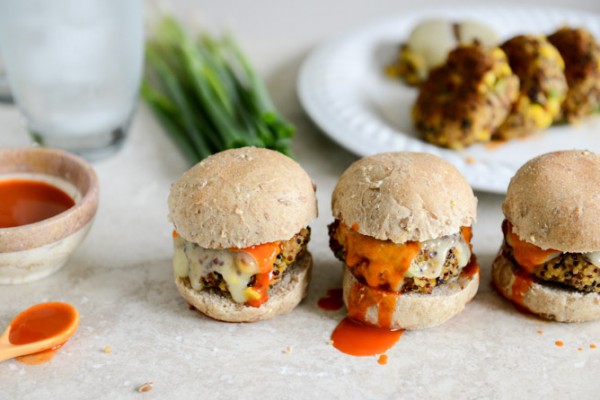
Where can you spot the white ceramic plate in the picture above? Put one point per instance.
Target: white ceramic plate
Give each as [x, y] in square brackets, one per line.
[343, 88]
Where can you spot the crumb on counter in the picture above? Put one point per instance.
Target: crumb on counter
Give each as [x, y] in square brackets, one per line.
[329, 342]
[107, 349]
[470, 160]
[287, 350]
[146, 387]
[540, 332]
[592, 346]
[559, 343]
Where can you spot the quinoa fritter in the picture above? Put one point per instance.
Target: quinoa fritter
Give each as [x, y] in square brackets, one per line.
[568, 269]
[467, 98]
[410, 66]
[450, 270]
[290, 251]
[581, 54]
[411, 284]
[543, 86]
[429, 43]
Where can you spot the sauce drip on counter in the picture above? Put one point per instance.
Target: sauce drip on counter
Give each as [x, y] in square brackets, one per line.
[382, 360]
[356, 339]
[27, 201]
[41, 357]
[333, 301]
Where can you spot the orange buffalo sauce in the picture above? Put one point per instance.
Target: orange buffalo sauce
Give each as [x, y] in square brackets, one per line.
[471, 269]
[526, 254]
[265, 255]
[520, 286]
[333, 301]
[383, 359]
[355, 339]
[361, 298]
[41, 322]
[386, 262]
[41, 357]
[24, 202]
[467, 233]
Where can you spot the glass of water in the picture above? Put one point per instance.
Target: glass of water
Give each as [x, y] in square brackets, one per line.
[74, 69]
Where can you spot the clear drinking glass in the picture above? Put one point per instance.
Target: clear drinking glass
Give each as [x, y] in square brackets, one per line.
[5, 95]
[74, 69]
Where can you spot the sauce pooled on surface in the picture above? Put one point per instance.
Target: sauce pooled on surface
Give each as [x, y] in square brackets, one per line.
[356, 339]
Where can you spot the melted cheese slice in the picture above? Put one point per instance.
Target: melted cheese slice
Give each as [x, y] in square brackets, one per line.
[438, 250]
[236, 267]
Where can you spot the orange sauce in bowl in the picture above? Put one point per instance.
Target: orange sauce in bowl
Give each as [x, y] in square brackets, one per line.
[24, 202]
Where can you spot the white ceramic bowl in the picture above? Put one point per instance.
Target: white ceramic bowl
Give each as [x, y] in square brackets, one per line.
[34, 251]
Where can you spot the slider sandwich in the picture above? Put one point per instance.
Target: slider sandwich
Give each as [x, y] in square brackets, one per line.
[403, 230]
[241, 229]
[549, 261]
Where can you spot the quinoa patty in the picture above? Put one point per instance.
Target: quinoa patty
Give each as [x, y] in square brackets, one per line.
[581, 54]
[290, 251]
[467, 98]
[450, 269]
[543, 86]
[568, 269]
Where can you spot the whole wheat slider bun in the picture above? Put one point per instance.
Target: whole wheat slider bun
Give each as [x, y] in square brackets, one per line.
[404, 196]
[550, 302]
[283, 298]
[242, 197]
[417, 310]
[553, 201]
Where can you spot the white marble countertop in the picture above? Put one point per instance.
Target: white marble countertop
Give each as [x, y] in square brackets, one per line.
[120, 278]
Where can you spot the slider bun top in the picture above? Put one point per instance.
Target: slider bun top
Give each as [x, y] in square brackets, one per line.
[242, 197]
[553, 201]
[404, 196]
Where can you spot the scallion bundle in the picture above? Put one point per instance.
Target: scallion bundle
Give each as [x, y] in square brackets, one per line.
[207, 96]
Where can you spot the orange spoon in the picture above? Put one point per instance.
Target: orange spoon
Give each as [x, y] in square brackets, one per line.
[41, 327]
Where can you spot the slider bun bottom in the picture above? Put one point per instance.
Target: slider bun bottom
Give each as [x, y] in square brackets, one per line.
[417, 310]
[283, 298]
[547, 301]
